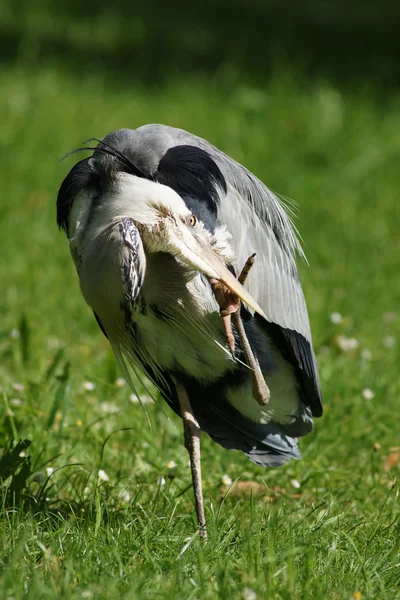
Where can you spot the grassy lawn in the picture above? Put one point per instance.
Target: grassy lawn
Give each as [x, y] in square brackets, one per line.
[323, 527]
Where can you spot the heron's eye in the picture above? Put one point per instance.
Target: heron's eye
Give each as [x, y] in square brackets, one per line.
[191, 220]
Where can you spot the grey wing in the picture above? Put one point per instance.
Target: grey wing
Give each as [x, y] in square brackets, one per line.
[258, 223]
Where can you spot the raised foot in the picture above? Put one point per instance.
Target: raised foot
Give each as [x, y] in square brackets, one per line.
[229, 304]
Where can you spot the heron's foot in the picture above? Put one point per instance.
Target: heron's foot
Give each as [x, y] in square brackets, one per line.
[229, 304]
[227, 300]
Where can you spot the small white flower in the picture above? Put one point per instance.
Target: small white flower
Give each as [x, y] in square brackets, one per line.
[347, 344]
[390, 317]
[296, 484]
[109, 408]
[87, 594]
[352, 343]
[249, 594]
[49, 471]
[18, 387]
[143, 399]
[125, 496]
[171, 464]
[146, 399]
[368, 394]
[86, 491]
[226, 480]
[366, 354]
[22, 454]
[54, 343]
[15, 334]
[389, 341]
[120, 382]
[336, 318]
[161, 481]
[15, 402]
[88, 386]
[102, 475]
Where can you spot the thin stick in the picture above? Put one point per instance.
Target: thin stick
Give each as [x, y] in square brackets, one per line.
[192, 444]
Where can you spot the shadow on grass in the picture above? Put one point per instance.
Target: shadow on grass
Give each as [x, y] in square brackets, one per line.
[150, 42]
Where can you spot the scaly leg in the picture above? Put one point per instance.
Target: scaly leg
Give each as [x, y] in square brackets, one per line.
[260, 389]
[230, 309]
[192, 444]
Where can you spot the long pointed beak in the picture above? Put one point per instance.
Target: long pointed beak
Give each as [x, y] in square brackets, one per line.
[200, 256]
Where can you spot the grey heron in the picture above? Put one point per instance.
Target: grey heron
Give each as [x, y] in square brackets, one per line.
[160, 224]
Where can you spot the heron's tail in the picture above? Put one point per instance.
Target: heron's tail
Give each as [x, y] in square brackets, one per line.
[273, 451]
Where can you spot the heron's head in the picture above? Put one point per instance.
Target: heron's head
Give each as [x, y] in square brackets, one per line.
[103, 190]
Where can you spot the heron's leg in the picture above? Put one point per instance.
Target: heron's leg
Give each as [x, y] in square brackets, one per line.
[192, 443]
[230, 309]
[261, 391]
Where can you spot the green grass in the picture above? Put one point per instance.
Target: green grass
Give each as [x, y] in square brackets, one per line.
[71, 535]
